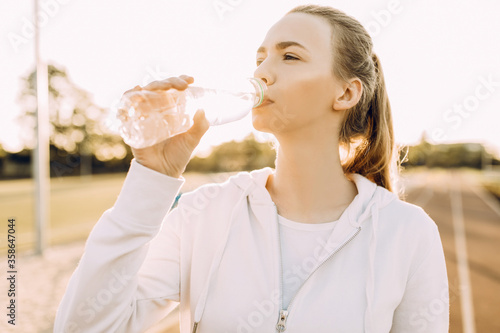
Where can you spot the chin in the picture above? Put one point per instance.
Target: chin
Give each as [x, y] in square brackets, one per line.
[260, 121]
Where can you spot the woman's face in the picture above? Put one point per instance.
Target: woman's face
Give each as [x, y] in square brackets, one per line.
[295, 60]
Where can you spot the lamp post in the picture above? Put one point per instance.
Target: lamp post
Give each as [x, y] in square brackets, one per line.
[41, 158]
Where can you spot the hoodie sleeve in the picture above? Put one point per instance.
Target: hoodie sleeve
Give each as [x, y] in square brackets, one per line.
[128, 276]
[425, 303]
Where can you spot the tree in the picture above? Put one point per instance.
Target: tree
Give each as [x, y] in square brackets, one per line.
[3, 154]
[77, 125]
[247, 155]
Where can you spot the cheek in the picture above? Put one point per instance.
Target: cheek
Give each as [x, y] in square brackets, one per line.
[310, 96]
[300, 101]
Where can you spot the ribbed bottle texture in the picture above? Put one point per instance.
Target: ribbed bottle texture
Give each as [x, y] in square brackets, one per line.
[148, 117]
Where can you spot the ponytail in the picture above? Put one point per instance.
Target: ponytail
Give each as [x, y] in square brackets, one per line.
[372, 154]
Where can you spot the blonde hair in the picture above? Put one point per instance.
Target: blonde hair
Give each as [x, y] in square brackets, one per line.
[366, 132]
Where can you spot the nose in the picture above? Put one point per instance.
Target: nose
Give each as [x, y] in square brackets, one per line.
[265, 80]
[264, 75]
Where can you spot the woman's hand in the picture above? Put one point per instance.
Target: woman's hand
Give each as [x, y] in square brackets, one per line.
[172, 155]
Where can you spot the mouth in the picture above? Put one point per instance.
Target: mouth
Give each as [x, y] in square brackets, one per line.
[264, 103]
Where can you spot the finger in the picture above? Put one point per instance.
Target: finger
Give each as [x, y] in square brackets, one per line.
[171, 82]
[159, 85]
[200, 125]
[187, 78]
[133, 89]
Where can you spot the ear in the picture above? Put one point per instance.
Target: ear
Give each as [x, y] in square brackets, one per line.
[349, 95]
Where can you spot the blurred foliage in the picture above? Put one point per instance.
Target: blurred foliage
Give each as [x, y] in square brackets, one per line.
[471, 155]
[245, 155]
[62, 163]
[80, 142]
[248, 154]
[77, 125]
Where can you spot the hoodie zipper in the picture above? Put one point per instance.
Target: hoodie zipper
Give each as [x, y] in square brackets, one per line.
[283, 315]
[281, 325]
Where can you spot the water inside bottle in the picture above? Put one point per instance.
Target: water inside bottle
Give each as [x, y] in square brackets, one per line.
[221, 106]
[148, 117]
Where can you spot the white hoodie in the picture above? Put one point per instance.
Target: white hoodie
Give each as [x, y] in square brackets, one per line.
[217, 253]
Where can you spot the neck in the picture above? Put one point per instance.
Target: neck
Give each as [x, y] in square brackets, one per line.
[309, 185]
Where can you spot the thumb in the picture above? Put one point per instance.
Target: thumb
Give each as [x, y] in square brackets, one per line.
[200, 125]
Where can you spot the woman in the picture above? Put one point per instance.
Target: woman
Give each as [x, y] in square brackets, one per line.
[320, 244]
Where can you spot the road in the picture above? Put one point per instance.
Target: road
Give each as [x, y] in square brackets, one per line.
[438, 193]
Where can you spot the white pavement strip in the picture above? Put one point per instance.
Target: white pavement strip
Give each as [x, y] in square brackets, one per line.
[463, 266]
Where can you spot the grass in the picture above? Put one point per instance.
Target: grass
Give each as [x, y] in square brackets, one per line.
[76, 204]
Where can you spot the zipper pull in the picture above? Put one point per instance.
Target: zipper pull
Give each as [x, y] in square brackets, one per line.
[281, 325]
[195, 327]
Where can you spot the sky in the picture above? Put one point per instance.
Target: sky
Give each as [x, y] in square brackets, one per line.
[440, 58]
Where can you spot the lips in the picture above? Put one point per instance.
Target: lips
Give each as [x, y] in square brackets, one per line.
[265, 102]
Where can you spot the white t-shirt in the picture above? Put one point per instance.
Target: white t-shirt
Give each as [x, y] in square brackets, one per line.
[301, 246]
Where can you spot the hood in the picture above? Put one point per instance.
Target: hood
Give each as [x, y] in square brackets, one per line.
[253, 184]
[365, 206]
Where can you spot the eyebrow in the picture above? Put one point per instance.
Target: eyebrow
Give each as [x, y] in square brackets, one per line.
[282, 46]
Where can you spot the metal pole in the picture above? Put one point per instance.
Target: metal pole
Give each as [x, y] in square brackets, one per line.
[41, 158]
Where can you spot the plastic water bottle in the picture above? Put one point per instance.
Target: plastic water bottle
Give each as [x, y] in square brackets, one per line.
[148, 117]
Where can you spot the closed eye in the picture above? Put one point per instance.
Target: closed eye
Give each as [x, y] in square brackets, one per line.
[285, 57]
